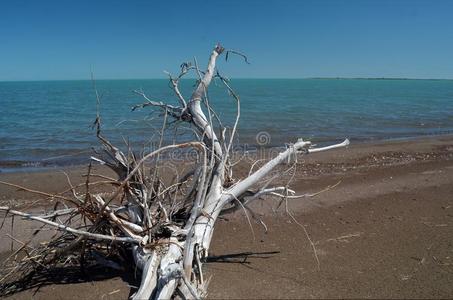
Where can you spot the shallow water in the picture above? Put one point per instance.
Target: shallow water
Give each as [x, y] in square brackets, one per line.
[49, 123]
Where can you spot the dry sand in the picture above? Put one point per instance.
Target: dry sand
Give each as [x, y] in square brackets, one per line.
[384, 232]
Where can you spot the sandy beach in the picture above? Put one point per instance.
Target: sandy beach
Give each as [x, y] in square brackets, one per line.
[383, 231]
[242, 150]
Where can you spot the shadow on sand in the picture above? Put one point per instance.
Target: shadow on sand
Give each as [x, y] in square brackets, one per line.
[75, 274]
[241, 257]
[68, 275]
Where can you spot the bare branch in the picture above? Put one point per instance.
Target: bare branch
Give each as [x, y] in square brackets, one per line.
[69, 229]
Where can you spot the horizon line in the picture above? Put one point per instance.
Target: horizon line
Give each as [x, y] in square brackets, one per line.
[254, 78]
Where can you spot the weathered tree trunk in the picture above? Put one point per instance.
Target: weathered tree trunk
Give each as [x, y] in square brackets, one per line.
[178, 263]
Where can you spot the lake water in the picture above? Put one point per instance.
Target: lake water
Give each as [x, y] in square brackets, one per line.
[48, 123]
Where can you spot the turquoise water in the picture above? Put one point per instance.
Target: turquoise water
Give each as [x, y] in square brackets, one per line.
[48, 123]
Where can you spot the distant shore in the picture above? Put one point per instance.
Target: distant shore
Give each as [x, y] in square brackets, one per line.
[234, 78]
[383, 231]
[377, 78]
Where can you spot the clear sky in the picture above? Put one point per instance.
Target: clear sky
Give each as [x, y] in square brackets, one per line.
[42, 40]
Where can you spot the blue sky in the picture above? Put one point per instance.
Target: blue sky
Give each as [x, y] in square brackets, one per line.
[41, 40]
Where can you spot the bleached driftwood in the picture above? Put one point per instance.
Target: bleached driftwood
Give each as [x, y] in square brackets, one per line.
[168, 228]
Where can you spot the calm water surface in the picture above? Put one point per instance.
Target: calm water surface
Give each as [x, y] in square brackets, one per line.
[49, 123]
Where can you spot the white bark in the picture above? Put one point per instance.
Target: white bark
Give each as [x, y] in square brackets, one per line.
[194, 105]
[170, 268]
[149, 276]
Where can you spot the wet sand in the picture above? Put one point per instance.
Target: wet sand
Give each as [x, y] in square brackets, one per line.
[385, 231]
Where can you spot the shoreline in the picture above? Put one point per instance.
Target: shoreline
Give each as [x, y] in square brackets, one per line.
[312, 171]
[383, 232]
[17, 166]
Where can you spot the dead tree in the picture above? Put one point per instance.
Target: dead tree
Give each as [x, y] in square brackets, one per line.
[166, 226]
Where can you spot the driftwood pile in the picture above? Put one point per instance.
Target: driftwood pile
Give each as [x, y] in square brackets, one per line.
[164, 226]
